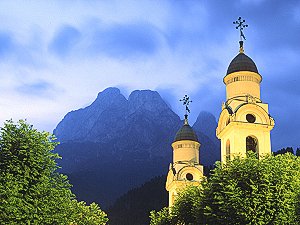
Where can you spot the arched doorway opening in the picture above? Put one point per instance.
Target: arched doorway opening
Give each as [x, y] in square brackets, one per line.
[251, 144]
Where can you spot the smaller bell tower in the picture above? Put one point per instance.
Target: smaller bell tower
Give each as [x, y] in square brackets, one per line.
[185, 169]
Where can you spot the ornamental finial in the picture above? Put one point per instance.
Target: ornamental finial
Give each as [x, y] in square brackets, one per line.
[240, 25]
[186, 102]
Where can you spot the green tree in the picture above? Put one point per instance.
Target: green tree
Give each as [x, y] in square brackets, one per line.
[186, 210]
[298, 152]
[31, 189]
[161, 217]
[87, 215]
[244, 191]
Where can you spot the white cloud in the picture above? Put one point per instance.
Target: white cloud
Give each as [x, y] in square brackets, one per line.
[190, 53]
[77, 79]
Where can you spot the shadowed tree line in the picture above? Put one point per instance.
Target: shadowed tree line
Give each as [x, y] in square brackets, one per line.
[134, 207]
[288, 149]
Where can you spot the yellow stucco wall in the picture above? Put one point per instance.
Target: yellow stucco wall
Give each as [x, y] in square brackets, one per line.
[186, 150]
[236, 133]
[185, 161]
[176, 183]
[242, 83]
[242, 99]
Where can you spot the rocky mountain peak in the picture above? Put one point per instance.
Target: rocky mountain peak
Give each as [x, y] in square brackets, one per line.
[206, 123]
[109, 96]
[111, 116]
[147, 100]
[109, 92]
[84, 124]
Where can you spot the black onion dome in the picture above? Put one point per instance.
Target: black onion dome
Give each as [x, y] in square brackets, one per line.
[242, 62]
[186, 133]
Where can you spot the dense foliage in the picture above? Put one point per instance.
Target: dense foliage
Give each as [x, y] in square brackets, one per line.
[243, 191]
[87, 215]
[31, 189]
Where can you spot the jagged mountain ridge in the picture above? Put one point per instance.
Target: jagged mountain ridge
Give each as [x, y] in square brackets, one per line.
[116, 144]
[111, 115]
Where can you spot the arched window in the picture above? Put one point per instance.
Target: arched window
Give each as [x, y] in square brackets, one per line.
[228, 149]
[251, 144]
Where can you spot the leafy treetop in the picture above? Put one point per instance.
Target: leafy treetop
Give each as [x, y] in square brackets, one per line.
[31, 189]
[242, 191]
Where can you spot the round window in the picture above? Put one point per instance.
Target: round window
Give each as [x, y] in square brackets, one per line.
[189, 176]
[250, 118]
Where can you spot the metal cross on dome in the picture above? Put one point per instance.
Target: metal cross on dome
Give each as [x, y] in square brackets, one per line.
[186, 101]
[240, 25]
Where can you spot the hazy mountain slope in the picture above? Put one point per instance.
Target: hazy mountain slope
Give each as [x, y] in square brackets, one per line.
[205, 127]
[94, 123]
[116, 144]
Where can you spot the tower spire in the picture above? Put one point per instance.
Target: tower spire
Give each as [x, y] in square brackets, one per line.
[240, 25]
[186, 102]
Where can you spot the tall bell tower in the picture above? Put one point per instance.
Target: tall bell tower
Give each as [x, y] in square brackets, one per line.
[185, 169]
[244, 123]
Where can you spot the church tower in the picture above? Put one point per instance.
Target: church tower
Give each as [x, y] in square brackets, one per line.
[244, 123]
[185, 169]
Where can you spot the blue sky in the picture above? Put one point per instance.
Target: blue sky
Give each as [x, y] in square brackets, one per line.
[55, 56]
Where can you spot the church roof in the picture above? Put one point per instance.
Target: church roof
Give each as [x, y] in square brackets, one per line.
[242, 62]
[186, 133]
